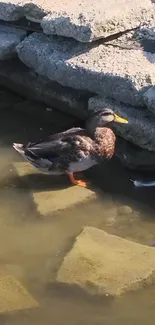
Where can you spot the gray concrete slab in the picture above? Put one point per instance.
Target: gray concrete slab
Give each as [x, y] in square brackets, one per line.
[9, 39]
[88, 20]
[83, 20]
[141, 127]
[107, 70]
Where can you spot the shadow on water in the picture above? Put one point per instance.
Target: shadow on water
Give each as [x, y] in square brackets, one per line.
[111, 177]
[37, 246]
[116, 180]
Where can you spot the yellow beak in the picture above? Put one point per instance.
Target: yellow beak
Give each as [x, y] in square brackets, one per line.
[119, 119]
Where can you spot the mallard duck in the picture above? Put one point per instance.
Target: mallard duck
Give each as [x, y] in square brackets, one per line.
[76, 149]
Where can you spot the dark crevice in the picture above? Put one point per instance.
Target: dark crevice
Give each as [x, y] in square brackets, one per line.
[31, 27]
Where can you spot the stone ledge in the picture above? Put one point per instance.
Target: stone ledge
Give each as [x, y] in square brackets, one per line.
[86, 21]
[82, 20]
[16, 76]
[106, 70]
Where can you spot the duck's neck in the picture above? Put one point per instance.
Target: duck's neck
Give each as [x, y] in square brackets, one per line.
[92, 124]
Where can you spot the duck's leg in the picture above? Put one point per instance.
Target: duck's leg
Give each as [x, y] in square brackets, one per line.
[76, 182]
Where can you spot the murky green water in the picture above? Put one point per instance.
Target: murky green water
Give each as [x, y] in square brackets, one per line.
[32, 248]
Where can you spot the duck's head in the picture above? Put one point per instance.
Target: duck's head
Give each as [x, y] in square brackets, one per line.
[102, 117]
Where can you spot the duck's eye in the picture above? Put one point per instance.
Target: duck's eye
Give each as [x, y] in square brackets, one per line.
[107, 114]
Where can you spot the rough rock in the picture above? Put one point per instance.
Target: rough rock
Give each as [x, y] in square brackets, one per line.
[16, 76]
[141, 38]
[8, 98]
[9, 39]
[134, 157]
[13, 296]
[146, 33]
[105, 264]
[11, 10]
[47, 114]
[124, 209]
[86, 22]
[149, 98]
[105, 70]
[81, 20]
[140, 129]
[146, 37]
[54, 198]
[48, 202]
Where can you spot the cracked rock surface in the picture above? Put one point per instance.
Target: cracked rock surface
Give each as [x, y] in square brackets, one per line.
[9, 39]
[83, 20]
[105, 69]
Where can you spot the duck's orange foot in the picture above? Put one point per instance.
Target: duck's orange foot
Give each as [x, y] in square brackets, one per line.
[81, 183]
[77, 182]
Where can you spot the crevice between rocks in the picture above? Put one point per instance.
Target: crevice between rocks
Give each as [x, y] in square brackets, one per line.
[31, 27]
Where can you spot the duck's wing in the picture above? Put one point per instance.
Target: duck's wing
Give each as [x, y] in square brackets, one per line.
[56, 136]
[69, 150]
[65, 145]
[72, 131]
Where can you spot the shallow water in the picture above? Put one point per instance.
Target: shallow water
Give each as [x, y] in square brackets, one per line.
[33, 248]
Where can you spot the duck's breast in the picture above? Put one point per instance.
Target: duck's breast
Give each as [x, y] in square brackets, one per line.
[83, 163]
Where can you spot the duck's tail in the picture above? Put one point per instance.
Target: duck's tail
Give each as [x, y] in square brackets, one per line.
[27, 154]
[19, 147]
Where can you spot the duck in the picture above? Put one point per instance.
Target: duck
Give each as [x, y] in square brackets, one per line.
[76, 149]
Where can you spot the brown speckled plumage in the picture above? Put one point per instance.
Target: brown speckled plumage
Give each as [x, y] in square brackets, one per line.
[104, 143]
[75, 149]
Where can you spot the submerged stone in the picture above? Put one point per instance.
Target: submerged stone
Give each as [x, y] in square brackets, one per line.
[48, 193]
[125, 209]
[104, 264]
[48, 202]
[13, 296]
